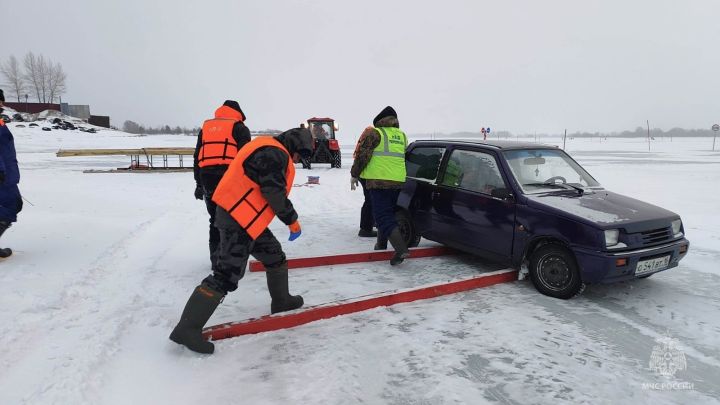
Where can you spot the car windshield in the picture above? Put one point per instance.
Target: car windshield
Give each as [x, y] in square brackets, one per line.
[546, 170]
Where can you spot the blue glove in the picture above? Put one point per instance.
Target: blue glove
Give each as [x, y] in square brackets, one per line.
[295, 231]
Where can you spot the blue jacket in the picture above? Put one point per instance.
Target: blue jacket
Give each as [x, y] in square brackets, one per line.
[8, 157]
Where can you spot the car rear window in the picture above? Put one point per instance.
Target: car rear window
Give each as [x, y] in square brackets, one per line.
[424, 162]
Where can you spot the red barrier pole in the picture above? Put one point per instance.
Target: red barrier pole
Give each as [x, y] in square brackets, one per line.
[376, 256]
[310, 314]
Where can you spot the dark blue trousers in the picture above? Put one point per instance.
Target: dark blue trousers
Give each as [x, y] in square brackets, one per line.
[383, 206]
[10, 202]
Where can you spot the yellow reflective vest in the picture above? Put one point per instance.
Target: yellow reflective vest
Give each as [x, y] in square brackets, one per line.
[388, 158]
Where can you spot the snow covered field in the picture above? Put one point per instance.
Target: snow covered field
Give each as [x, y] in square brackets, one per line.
[104, 264]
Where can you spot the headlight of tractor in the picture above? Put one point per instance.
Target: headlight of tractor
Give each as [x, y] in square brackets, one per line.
[676, 225]
[611, 237]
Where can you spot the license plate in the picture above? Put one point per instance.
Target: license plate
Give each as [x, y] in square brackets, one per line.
[647, 266]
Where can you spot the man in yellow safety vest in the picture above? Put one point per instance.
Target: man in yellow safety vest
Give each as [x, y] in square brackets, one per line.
[380, 161]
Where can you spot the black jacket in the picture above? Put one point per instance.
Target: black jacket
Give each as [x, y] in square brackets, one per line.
[211, 175]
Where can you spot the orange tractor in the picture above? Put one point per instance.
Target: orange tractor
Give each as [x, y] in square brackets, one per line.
[327, 148]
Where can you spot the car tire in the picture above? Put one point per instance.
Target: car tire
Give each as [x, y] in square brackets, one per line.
[336, 160]
[407, 228]
[554, 272]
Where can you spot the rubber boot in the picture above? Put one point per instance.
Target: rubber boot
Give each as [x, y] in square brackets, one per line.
[277, 281]
[6, 252]
[201, 305]
[398, 242]
[364, 233]
[380, 242]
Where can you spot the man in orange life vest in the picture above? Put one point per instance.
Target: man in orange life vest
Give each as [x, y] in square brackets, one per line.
[218, 142]
[252, 192]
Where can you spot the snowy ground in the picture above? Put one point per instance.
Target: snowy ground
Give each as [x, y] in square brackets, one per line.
[104, 263]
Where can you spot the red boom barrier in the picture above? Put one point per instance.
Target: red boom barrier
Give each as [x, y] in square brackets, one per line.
[302, 316]
[355, 258]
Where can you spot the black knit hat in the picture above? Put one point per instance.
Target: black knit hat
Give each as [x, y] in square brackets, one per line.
[235, 106]
[386, 112]
[2, 96]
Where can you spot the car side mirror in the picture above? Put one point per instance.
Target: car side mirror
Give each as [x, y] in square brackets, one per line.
[501, 193]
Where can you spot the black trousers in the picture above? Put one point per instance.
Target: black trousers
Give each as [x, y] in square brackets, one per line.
[234, 250]
[209, 180]
[214, 238]
[366, 212]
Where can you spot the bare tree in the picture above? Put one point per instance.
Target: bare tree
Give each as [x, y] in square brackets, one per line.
[33, 75]
[56, 81]
[44, 73]
[13, 76]
[131, 127]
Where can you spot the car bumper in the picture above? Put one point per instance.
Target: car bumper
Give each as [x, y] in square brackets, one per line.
[602, 267]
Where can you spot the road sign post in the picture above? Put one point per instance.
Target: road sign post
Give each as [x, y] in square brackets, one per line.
[715, 129]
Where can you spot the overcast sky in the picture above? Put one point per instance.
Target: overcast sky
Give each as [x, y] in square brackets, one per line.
[517, 65]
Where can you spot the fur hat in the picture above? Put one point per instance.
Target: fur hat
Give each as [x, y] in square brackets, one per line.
[386, 112]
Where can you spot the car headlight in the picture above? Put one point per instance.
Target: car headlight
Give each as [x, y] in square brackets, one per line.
[611, 237]
[676, 226]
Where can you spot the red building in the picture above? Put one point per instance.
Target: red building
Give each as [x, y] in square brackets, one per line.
[32, 108]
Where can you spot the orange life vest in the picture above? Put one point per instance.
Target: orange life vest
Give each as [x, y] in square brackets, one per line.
[218, 145]
[241, 197]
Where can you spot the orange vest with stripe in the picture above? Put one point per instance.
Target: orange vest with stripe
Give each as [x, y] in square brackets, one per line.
[218, 145]
[241, 197]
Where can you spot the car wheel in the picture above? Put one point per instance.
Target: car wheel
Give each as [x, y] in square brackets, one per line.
[407, 228]
[555, 273]
[336, 160]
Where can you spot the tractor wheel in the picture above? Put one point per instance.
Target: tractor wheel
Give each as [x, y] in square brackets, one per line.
[336, 160]
[407, 228]
[554, 272]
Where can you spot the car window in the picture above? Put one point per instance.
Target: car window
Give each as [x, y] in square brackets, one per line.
[424, 162]
[473, 171]
[543, 170]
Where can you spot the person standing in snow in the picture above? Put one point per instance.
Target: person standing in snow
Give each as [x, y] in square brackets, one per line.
[366, 213]
[253, 191]
[380, 161]
[10, 199]
[217, 144]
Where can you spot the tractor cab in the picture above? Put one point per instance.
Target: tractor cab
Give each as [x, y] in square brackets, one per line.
[327, 148]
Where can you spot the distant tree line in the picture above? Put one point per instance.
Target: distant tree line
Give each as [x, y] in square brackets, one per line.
[639, 132]
[133, 127]
[44, 80]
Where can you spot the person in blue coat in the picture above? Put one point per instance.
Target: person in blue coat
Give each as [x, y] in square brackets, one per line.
[10, 199]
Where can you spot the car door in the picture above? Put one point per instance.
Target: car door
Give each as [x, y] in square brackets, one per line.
[466, 211]
[422, 164]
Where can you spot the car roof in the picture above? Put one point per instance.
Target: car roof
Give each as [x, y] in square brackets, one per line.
[502, 145]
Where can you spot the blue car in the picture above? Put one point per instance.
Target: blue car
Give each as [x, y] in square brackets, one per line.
[534, 208]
